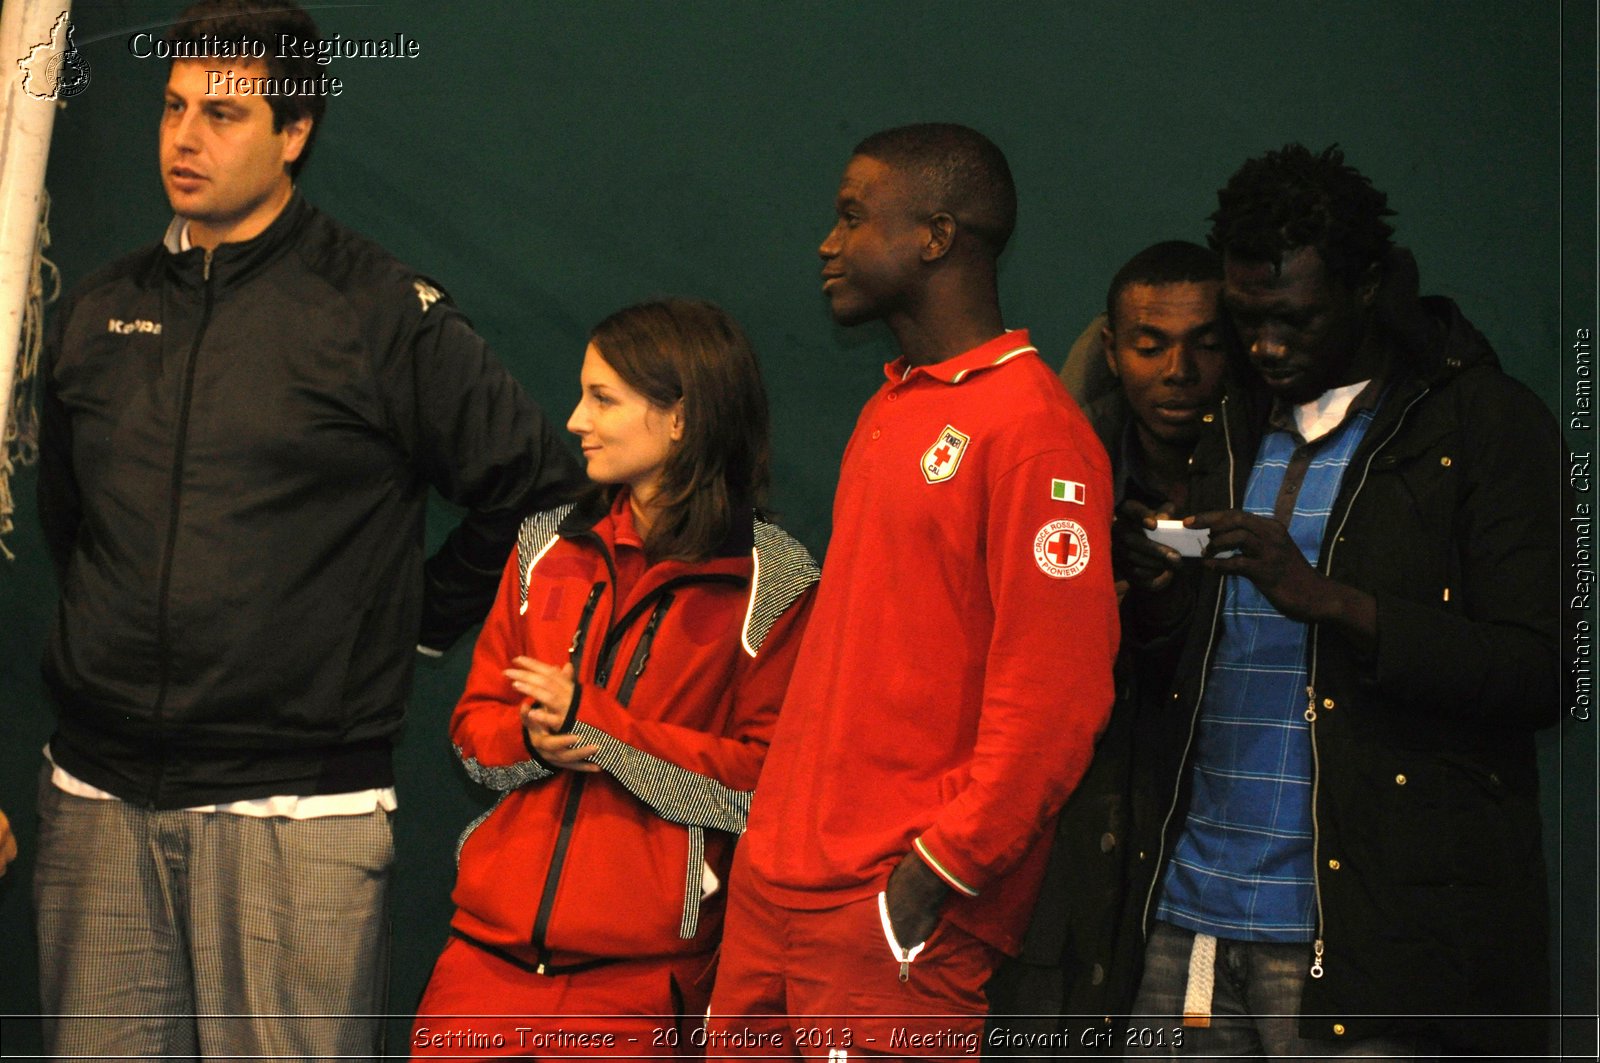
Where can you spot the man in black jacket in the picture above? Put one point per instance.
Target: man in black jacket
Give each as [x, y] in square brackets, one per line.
[1163, 354]
[1351, 860]
[240, 427]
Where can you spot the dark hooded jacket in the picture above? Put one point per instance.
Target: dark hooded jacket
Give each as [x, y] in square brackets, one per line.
[1431, 882]
[1083, 954]
[1430, 879]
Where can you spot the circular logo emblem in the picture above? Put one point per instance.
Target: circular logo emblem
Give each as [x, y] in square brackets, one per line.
[1061, 549]
[67, 74]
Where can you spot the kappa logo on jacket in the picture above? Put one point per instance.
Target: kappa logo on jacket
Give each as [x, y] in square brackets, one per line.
[940, 461]
[128, 328]
[427, 294]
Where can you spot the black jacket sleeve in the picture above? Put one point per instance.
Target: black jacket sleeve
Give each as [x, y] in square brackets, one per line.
[477, 438]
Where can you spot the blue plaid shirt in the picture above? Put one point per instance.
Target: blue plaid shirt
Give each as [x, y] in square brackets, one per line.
[1241, 868]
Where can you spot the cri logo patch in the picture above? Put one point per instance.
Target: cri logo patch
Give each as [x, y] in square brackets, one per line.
[1061, 549]
[940, 461]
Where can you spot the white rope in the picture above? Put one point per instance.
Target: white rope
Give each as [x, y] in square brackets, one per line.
[1202, 979]
[21, 444]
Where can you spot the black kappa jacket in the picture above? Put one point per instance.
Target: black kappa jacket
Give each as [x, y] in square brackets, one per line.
[236, 453]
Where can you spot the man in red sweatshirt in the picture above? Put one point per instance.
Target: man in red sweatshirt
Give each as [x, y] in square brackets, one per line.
[958, 663]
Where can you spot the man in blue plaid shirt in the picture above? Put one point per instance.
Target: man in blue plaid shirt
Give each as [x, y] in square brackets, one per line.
[1351, 861]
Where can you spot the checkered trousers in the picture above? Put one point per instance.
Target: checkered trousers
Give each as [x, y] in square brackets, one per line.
[188, 934]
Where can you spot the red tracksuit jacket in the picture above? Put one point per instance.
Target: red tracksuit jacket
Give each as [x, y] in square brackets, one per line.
[679, 682]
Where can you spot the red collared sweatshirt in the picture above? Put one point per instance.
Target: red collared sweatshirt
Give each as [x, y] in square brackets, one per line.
[956, 669]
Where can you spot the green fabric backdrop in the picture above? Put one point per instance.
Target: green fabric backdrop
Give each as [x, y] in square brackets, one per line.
[549, 162]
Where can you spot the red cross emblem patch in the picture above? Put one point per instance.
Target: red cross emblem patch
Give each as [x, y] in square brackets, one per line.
[1061, 549]
[940, 461]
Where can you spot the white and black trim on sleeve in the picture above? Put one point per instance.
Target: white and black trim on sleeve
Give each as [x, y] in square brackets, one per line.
[504, 778]
[676, 794]
[461, 842]
[536, 536]
[784, 570]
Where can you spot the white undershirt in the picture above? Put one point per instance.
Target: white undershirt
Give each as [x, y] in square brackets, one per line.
[1323, 414]
[289, 806]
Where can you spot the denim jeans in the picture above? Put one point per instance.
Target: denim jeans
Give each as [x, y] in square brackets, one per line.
[1255, 1004]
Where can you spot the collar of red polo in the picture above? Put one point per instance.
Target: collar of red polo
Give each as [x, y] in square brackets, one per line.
[998, 351]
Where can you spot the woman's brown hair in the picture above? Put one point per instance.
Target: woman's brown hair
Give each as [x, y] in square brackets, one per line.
[694, 351]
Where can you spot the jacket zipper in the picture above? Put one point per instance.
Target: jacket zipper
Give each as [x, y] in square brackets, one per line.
[581, 632]
[569, 811]
[641, 652]
[164, 584]
[547, 901]
[1194, 717]
[608, 651]
[1318, 946]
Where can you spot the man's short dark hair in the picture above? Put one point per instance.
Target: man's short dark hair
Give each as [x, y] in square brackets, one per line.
[266, 23]
[1169, 262]
[958, 170]
[1291, 199]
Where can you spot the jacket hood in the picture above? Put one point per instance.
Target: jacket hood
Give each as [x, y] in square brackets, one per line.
[1429, 335]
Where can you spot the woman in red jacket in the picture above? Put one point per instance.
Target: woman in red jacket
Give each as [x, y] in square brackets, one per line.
[620, 701]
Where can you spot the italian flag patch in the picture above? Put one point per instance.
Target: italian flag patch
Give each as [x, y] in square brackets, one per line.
[1066, 491]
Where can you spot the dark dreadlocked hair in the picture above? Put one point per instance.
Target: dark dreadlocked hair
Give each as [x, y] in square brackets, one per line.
[1291, 199]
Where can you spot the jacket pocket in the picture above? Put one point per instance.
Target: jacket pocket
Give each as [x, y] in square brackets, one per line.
[624, 882]
[905, 957]
[1400, 537]
[1443, 820]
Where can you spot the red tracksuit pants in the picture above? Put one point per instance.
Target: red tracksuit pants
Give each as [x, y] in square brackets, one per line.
[479, 1006]
[825, 984]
